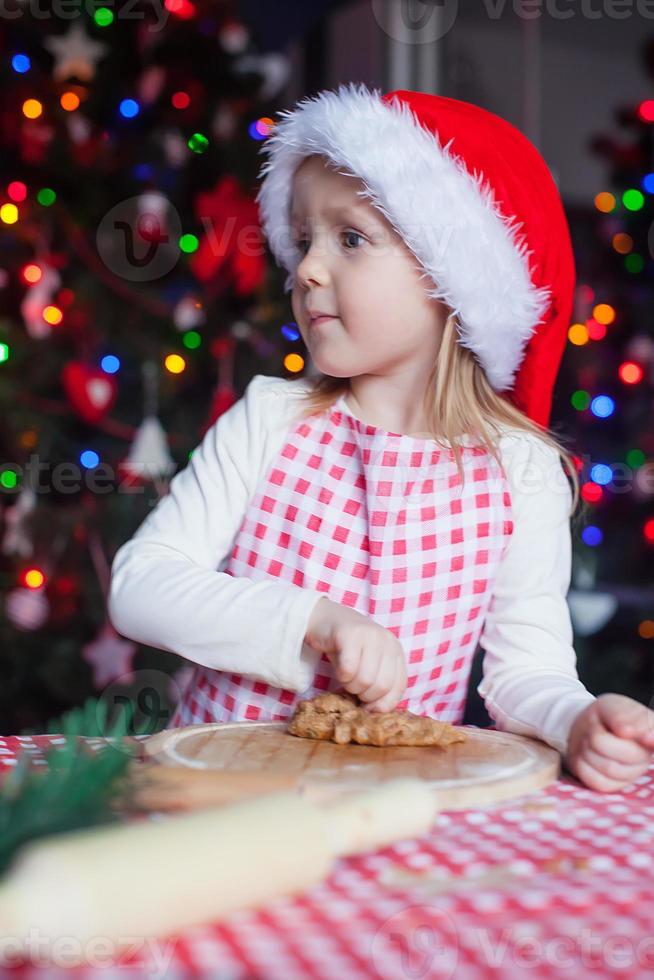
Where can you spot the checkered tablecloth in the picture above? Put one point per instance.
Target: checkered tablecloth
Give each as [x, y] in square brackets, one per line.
[556, 883]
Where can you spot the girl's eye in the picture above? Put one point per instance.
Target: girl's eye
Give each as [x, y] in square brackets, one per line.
[301, 242]
[353, 233]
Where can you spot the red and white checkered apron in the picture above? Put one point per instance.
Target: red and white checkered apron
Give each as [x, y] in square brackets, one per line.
[377, 521]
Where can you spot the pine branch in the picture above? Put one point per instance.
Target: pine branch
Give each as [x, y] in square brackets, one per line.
[76, 790]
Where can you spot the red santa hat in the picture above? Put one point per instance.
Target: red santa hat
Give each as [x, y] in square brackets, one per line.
[471, 197]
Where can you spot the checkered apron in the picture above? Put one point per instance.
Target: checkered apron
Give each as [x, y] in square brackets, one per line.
[380, 522]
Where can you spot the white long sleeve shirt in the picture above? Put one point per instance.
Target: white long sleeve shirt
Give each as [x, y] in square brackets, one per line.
[168, 589]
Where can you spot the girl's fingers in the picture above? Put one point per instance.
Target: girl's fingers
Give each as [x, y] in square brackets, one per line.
[625, 717]
[389, 699]
[596, 780]
[383, 683]
[348, 665]
[612, 769]
[623, 750]
[367, 672]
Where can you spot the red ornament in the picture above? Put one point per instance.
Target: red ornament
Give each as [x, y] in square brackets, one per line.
[89, 390]
[234, 246]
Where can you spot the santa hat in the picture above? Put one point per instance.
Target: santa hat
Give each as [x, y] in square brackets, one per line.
[470, 196]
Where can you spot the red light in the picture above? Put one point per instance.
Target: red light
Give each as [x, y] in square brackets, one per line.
[180, 8]
[646, 110]
[596, 331]
[17, 191]
[586, 293]
[591, 492]
[181, 100]
[33, 578]
[630, 372]
[31, 274]
[649, 530]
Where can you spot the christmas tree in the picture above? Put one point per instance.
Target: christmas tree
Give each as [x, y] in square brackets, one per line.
[605, 397]
[138, 301]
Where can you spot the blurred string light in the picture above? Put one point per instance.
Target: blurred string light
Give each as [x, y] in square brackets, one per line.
[630, 373]
[634, 263]
[4, 353]
[9, 214]
[602, 406]
[52, 315]
[181, 100]
[183, 9]
[46, 197]
[580, 400]
[192, 339]
[596, 331]
[34, 578]
[103, 17]
[32, 108]
[290, 331]
[189, 243]
[646, 629]
[89, 459]
[129, 108]
[198, 143]
[622, 243]
[592, 536]
[605, 202]
[635, 458]
[70, 101]
[261, 128]
[294, 363]
[604, 313]
[633, 199]
[648, 183]
[646, 110]
[21, 63]
[648, 530]
[578, 334]
[110, 364]
[591, 492]
[175, 363]
[8, 479]
[601, 473]
[17, 191]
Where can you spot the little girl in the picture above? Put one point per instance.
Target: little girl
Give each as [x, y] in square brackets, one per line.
[368, 526]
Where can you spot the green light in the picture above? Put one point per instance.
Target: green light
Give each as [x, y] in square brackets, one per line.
[634, 262]
[635, 458]
[8, 479]
[580, 400]
[103, 17]
[189, 243]
[198, 143]
[633, 200]
[4, 353]
[191, 453]
[192, 340]
[46, 196]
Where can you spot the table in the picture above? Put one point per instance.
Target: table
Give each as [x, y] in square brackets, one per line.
[556, 883]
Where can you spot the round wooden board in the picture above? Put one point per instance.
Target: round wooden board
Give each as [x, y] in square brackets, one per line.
[487, 768]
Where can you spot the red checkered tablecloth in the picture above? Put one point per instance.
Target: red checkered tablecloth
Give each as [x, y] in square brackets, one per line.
[556, 883]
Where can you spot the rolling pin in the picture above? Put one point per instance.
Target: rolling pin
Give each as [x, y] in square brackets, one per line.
[152, 879]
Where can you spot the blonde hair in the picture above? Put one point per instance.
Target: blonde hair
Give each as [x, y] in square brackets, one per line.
[460, 401]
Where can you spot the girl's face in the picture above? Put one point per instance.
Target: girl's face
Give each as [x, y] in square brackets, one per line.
[357, 268]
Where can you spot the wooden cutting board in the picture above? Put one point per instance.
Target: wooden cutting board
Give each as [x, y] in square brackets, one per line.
[487, 768]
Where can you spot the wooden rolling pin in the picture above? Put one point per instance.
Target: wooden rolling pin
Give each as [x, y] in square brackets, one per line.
[152, 879]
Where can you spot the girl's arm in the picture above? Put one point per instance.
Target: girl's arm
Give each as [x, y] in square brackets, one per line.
[166, 590]
[530, 683]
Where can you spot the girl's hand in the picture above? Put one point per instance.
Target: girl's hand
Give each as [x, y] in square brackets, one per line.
[368, 659]
[611, 743]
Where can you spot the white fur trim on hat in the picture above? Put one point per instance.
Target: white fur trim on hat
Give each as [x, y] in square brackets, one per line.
[446, 216]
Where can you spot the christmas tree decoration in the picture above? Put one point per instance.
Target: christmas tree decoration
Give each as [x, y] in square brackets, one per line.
[188, 313]
[90, 391]
[27, 609]
[17, 539]
[75, 53]
[37, 299]
[149, 457]
[110, 655]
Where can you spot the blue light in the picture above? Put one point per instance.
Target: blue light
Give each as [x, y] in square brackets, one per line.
[648, 183]
[21, 63]
[602, 406]
[129, 108]
[89, 459]
[143, 171]
[592, 536]
[290, 331]
[601, 473]
[110, 363]
[255, 132]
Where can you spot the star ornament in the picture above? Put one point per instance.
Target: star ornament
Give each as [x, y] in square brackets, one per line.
[75, 53]
[110, 656]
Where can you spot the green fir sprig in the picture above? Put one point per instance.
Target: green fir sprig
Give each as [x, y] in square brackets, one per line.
[76, 790]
